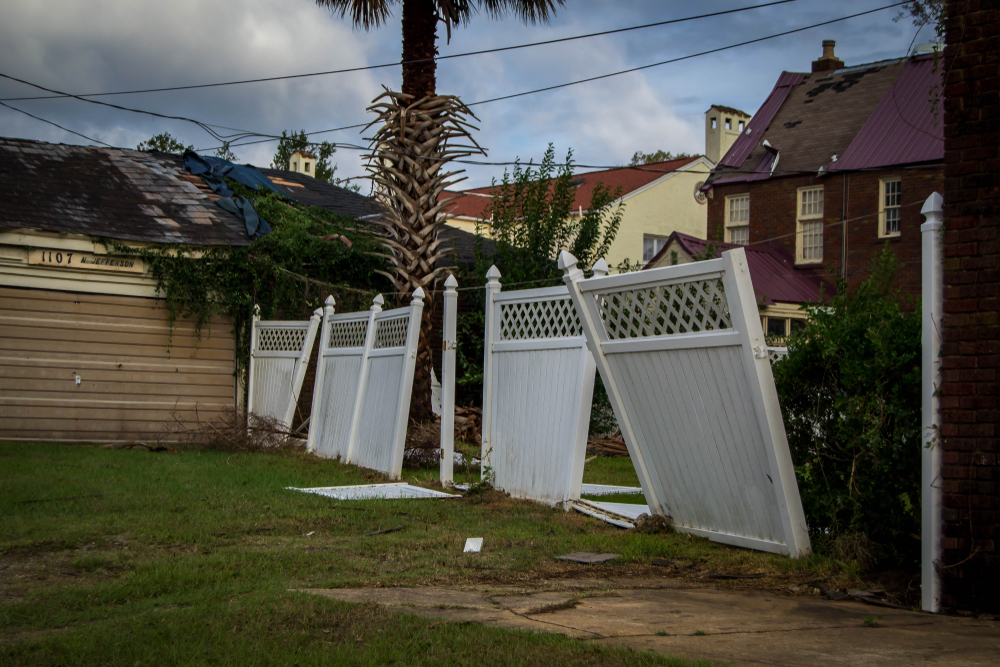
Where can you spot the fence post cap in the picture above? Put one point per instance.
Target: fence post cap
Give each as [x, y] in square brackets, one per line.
[378, 300]
[566, 261]
[330, 301]
[451, 283]
[418, 294]
[600, 268]
[256, 311]
[318, 314]
[934, 204]
[493, 274]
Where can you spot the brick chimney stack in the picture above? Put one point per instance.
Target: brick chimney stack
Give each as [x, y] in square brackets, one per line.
[827, 62]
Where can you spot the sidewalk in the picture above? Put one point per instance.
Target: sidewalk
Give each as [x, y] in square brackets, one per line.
[740, 628]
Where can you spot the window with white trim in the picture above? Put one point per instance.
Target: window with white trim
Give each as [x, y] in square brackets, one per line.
[652, 245]
[890, 206]
[738, 219]
[809, 225]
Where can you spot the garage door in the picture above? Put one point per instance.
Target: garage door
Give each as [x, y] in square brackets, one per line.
[91, 367]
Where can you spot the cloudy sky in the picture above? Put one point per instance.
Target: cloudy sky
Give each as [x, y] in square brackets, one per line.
[89, 46]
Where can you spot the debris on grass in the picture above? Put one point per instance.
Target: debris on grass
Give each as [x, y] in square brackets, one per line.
[383, 531]
[391, 491]
[653, 524]
[588, 557]
[473, 545]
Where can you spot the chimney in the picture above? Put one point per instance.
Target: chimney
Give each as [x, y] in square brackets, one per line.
[827, 62]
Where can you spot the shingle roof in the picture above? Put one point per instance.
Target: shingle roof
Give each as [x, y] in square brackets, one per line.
[474, 203]
[110, 192]
[312, 192]
[864, 113]
[772, 269]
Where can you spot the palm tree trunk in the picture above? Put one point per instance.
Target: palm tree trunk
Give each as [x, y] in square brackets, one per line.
[419, 43]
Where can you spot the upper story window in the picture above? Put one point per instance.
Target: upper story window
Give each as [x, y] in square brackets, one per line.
[305, 167]
[729, 123]
[890, 206]
[715, 123]
[809, 225]
[652, 245]
[742, 125]
[295, 166]
[738, 219]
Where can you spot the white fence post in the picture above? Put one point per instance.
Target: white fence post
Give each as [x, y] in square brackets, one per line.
[448, 371]
[932, 291]
[369, 341]
[324, 340]
[492, 289]
[253, 345]
[406, 385]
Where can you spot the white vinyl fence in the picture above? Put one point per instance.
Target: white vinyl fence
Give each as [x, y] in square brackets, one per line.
[364, 380]
[279, 355]
[537, 389]
[683, 358]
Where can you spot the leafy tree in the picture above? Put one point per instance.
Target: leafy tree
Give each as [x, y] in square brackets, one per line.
[225, 153]
[850, 395]
[640, 158]
[420, 19]
[164, 143]
[532, 220]
[927, 12]
[289, 143]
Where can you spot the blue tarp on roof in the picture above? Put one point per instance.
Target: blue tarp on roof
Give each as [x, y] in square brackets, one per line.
[215, 170]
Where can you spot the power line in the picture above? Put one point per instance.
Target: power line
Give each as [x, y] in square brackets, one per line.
[207, 127]
[406, 62]
[64, 129]
[605, 76]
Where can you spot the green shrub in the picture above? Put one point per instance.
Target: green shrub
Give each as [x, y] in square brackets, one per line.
[850, 394]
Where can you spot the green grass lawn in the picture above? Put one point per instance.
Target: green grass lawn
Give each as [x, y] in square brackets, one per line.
[134, 558]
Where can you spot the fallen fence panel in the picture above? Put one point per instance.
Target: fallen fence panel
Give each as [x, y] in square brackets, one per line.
[682, 355]
[537, 389]
[279, 355]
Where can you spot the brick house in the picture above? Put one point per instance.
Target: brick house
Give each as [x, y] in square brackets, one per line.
[970, 353]
[858, 144]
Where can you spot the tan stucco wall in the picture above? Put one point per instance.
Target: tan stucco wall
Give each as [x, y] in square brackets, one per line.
[666, 207]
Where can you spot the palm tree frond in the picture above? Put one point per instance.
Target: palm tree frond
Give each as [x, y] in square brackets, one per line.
[529, 11]
[367, 14]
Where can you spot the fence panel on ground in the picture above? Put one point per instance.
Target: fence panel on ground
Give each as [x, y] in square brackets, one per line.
[279, 355]
[682, 355]
[537, 390]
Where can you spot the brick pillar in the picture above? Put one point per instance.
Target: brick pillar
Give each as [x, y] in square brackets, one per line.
[971, 338]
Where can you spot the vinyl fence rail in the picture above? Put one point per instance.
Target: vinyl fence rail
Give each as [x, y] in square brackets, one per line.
[538, 384]
[683, 358]
[364, 380]
[279, 355]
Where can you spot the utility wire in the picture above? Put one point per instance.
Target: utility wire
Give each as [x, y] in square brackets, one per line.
[605, 76]
[64, 129]
[407, 62]
[207, 127]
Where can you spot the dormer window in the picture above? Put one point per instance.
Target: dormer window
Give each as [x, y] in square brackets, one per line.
[742, 123]
[715, 123]
[295, 166]
[729, 123]
[305, 167]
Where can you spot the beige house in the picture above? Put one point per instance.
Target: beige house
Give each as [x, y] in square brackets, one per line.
[660, 198]
[302, 162]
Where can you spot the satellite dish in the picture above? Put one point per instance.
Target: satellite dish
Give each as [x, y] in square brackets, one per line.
[699, 196]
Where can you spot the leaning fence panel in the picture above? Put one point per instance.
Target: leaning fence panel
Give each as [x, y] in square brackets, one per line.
[682, 354]
[386, 390]
[279, 355]
[344, 342]
[538, 386]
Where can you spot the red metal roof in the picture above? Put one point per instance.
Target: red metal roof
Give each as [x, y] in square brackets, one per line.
[902, 129]
[745, 143]
[772, 270]
[474, 205]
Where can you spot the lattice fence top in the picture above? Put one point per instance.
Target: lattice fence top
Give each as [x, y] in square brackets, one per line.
[553, 318]
[391, 332]
[665, 310]
[280, 339]
[348, 334]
